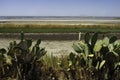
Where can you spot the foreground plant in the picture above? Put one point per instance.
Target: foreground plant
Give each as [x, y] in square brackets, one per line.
[94, 60]
[101, 58]
[21, 61]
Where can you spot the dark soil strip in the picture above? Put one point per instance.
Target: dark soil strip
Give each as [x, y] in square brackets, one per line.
[54, 36]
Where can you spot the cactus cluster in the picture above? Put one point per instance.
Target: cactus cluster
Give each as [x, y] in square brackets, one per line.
[94, 59]
[21, 60]
[102, 56]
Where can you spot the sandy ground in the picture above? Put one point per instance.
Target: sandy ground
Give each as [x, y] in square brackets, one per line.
[56, 48]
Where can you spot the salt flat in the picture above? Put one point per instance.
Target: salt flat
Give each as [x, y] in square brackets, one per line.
[71, 21]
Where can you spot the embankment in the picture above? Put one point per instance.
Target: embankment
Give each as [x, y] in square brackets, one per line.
[54, 36]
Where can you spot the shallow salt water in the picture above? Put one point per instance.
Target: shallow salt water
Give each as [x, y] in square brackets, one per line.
[52, 47]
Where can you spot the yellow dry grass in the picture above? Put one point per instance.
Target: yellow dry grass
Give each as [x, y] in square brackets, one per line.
[38, 25]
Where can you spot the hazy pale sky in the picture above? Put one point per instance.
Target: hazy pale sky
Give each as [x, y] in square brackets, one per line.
[59, 7]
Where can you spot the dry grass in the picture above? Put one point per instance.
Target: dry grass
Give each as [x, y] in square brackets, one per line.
[32, 25]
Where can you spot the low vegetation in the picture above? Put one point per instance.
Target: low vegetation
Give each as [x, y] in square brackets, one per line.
[94, 60]
[54, 28]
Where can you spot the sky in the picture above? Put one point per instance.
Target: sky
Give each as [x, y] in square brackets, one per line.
[60, 8]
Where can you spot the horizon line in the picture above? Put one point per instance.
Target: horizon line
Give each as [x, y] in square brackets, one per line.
[51, 16]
